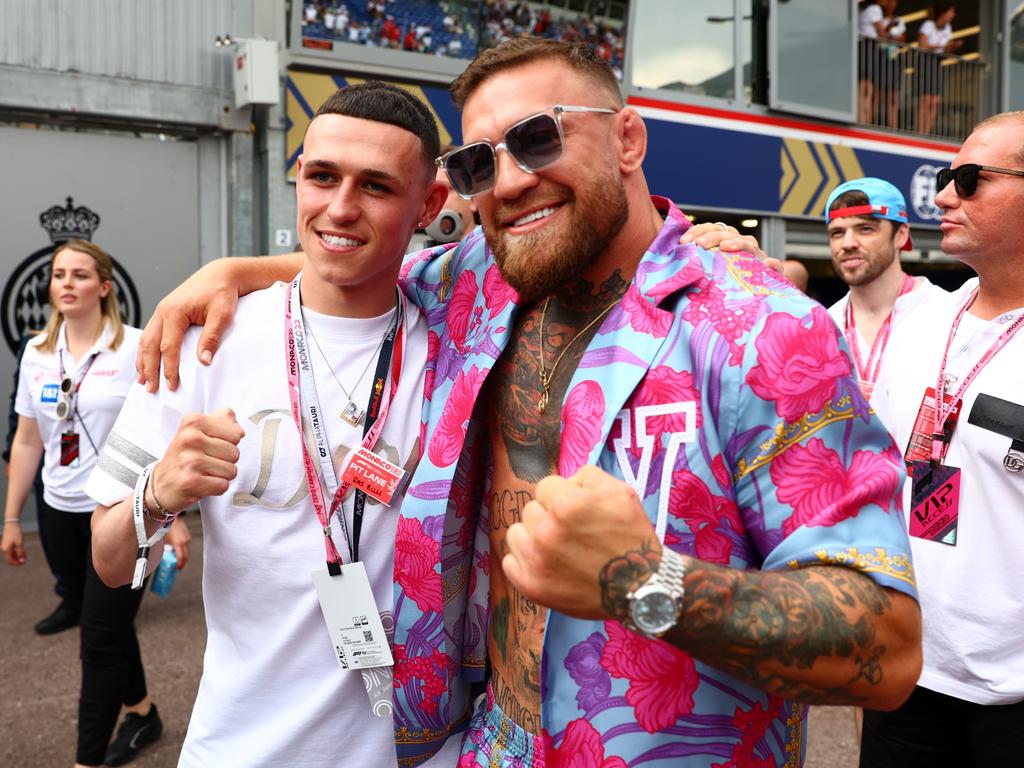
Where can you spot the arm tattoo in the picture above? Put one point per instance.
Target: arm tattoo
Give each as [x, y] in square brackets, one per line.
[768, 629]
[624, 574]
[761, 626]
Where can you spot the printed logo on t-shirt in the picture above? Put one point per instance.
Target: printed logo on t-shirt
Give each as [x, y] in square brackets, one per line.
[50, 393]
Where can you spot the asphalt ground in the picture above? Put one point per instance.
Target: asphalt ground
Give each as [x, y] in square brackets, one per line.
[41, 675]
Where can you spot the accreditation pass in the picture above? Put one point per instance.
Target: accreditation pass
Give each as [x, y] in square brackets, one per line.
[353, 621]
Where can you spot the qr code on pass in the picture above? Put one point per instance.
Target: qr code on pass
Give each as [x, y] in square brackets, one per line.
[367, 635]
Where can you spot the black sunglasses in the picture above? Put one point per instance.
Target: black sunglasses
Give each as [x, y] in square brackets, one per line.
[535, 142]
[965, 177]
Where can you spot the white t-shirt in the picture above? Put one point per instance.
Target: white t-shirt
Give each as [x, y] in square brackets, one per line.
[936, 37]
[924, 290]
[971, 593]
[271, 693]
[99, 399]
[867, 20]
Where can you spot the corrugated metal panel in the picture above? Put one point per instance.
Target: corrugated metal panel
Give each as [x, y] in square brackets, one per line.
[169, 41]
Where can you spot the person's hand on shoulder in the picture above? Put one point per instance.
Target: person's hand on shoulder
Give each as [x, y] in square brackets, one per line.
[718, 235]
[207, 298]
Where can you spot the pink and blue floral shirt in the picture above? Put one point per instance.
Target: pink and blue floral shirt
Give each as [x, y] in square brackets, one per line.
[725, 398]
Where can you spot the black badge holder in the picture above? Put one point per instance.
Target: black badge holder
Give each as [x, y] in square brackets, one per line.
[1004, 418]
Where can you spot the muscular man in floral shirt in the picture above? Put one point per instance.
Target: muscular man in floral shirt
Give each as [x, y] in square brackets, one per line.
[608, 410]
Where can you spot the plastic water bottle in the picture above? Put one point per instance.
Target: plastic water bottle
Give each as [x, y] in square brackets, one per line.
[166, 572]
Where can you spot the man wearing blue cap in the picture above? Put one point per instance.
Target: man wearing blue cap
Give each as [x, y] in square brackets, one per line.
[867, 228]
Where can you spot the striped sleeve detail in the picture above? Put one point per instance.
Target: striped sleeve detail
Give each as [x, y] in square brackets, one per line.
[123, 460]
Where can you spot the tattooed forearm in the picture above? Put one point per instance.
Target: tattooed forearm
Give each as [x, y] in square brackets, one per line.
[624, 574]
[818, 634]
[810, 634]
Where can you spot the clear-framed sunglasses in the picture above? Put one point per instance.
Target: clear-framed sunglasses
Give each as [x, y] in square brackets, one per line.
[535, 142]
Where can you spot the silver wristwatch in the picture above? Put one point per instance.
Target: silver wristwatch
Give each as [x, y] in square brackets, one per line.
[655, 606]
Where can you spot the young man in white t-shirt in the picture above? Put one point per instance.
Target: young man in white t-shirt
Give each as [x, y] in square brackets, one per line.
[965, 514]
[272, 692]
[867, 229]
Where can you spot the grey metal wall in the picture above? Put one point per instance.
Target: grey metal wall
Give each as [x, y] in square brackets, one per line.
[166, 41]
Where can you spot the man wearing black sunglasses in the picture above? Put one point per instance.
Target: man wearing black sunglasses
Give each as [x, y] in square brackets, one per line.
[964, 501]
[664, 520]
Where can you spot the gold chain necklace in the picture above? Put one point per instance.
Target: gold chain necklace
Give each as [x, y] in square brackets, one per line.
[545, 375]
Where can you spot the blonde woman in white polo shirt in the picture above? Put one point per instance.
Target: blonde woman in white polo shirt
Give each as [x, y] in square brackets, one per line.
[73, 379]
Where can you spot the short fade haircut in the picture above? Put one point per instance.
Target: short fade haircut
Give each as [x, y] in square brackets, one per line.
[855, 198]
[385, 103]
[520, 51]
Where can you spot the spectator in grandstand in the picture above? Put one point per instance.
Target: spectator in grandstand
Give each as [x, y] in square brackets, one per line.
[934, 38]
[879, 68]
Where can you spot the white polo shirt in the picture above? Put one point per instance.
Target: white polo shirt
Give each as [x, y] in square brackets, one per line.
[970, 593]
[99, 401]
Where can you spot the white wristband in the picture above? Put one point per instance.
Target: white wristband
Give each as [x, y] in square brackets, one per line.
[138, 511]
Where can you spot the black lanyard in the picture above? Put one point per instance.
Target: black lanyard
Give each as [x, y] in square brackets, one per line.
[373, 406]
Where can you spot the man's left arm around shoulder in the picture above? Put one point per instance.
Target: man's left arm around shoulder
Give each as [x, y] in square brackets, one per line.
[819, 635]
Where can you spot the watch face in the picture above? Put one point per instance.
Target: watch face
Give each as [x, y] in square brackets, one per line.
[654, 612]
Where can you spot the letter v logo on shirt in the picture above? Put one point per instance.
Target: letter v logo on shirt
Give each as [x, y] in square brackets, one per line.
[644, 440]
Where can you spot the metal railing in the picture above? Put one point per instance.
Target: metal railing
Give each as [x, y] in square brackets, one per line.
[904, 88]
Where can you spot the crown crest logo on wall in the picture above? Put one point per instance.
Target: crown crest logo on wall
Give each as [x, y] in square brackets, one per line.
[69, 223]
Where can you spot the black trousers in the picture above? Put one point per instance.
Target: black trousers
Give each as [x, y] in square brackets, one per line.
[42, 509]
[932, 730]
[67, 537]
[112, 672]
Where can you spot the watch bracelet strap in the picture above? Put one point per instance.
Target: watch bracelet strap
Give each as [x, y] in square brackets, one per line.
[672, 571]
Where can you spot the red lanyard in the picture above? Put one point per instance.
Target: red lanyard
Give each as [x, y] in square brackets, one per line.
[869, 373]
[300, 376]
[942, 409]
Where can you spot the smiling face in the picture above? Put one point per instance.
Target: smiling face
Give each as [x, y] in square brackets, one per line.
[986, 226]
[547, 228]
[864, 247]
[75, 285]
[362, 188]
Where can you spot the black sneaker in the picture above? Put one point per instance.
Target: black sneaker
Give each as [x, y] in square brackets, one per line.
[63, 617]
[135, 732]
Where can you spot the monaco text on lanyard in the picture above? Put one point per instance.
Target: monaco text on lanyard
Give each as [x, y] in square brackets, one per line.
[303, 396]
[867, 372]
[935, 493]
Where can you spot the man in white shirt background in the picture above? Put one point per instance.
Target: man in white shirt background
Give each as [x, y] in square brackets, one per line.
[867, 230]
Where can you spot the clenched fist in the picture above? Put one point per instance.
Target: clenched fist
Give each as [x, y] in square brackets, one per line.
[200, 461]
[575, 539]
